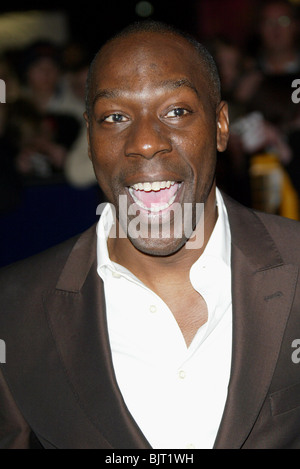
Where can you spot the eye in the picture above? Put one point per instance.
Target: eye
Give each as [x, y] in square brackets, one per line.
[115, 118]
[177, 112]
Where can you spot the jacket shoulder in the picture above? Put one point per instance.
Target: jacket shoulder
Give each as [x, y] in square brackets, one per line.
[261, 235]
[24, 278]
[285, 233]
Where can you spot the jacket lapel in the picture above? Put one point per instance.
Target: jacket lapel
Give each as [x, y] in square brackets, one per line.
[76, 313]
[262, 294]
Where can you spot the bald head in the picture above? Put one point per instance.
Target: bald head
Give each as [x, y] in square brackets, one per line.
[206, 63]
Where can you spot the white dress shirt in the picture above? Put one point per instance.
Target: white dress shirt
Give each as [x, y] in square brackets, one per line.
[175, 393]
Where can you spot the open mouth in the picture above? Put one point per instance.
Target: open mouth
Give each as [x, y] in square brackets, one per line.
[155, 196]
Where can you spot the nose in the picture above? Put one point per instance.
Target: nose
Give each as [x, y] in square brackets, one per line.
[147, 137]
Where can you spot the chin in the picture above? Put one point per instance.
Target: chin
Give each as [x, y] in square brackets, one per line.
[158, 247]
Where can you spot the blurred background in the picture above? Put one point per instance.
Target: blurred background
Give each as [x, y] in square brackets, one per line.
[48, 190]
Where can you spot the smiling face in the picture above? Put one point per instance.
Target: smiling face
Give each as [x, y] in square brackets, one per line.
[154, 131]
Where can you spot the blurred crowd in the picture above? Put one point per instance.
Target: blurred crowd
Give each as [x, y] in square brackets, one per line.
[42, 130]
[43, 134]
[261, 167]
[48, 191]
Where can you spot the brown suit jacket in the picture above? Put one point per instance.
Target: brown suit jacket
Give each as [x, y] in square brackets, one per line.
[58, 388]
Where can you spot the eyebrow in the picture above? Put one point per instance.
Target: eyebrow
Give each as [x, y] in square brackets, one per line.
[174, 84]
[165, 84]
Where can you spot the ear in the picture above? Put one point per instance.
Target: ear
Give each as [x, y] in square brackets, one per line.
[222, 126]
[85, 115]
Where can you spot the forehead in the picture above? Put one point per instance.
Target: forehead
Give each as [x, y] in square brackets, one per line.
[146, 55]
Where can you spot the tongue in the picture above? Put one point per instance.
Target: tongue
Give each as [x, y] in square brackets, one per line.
[156, 197]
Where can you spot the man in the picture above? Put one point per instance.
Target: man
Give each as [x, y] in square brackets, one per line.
[132, 338]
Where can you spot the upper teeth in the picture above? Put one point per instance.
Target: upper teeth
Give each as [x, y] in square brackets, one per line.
[152, 186]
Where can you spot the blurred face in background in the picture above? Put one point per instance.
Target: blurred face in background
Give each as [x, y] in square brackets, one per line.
[78, 81]
[278, 27]
[228, 58]
[43, 76]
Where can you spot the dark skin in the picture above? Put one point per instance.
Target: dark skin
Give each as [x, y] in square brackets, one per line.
[152, 119]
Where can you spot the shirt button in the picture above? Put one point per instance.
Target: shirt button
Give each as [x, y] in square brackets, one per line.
[153, 309]
[181, 374]
[116, 274]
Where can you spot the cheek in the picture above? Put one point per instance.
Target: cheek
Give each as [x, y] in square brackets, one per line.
[104, 152]
[199, 150]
